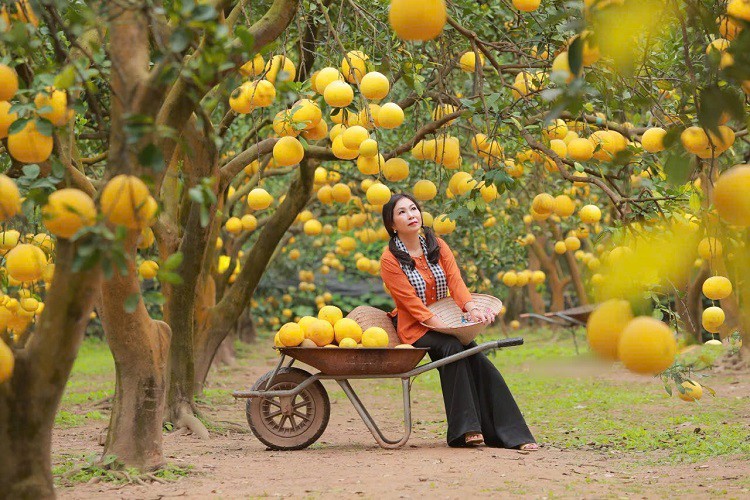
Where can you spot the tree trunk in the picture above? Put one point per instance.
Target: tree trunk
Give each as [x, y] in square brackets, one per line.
[139, 346]
[30, 398]
[224, 315]
[690, 307]
[225, 355]
[246, 330]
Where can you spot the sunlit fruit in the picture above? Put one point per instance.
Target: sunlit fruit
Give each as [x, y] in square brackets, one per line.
[126, 201]
[418, 21]
[67, 211]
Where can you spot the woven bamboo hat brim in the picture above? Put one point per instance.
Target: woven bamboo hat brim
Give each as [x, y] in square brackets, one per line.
[448, 311]
[368, 316]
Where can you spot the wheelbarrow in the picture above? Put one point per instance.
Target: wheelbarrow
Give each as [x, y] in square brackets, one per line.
[288, 408]
[569, 318]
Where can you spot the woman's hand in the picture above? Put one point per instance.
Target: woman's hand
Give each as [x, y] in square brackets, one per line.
[435, 322]
[480, 315]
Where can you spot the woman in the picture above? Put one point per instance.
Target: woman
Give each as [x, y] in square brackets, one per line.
[419, 270]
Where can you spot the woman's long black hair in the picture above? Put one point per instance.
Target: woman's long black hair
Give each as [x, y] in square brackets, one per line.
[433, 248]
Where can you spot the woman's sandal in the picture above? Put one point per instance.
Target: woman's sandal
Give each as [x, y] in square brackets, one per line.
[473, 438]
[528, 447]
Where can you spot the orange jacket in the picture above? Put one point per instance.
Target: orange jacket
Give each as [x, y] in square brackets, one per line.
[410, 309]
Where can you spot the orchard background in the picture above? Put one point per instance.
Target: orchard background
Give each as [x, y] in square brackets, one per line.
[182, 179]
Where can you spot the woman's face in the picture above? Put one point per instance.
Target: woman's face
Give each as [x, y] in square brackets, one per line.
[406, 217]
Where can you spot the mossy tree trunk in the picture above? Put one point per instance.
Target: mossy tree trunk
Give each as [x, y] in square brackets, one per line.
[30, 398]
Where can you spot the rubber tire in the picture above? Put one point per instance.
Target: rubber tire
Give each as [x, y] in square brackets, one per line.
[321, 405]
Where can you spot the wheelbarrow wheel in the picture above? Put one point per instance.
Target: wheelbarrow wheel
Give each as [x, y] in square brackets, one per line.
[289, 423]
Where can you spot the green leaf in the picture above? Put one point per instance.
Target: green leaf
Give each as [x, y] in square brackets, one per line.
[17, 125]
[180, 39]
[31, 171]
[132, 302]
[575, 56]
[173, 261]
[65, 78]
[151, 157]
[153, 297]
[44, 126]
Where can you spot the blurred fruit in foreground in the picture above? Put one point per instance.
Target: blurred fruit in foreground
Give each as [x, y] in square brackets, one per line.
[647, 346]
[605, 325]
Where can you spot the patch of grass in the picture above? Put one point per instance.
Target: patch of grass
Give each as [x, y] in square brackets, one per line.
[66, 419]
[213, 397]
[77, 469]
[586, 411]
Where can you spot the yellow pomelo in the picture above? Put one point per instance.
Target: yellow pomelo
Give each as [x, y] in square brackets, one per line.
[731, 195]
[28, 145]
[443, 225]
[425, 190]
[527, 5]
[717, 288]
[259, 199]
[590, 214]
[580, 149]
[254, 67]
[390, 116]
[326, 76]
[290, 335]
[652, 139]
[709, 248]
[375, 337]
[694, 140]
[348, 343]
[126, 201]
[25, 262]
[148, 269]
[422, 20]
[307, 112]
[316, 133]
[468, 61]
[338, 94]
[712, 319]
[368, 148]
[347, 328]
[647, 346]
[10, 198]
[288, 151]
[7, 361]
[342, 152]
[8, 82]
[331, 314]
[341, 193]
[320, 332]
[354, 136]
[233, 225]
[6, 118]
[58, 101]
[563, 206]
[543, 203]
[693, 391]
[68, 210]
[353, 66]
[396, 169]
[249, 222]
[313, 227]
[280, 68]
[378, 194]
[605, 325]
[371, 165]
[374, 85]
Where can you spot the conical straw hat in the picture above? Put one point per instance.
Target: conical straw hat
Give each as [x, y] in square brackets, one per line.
[458, 326]
[368, 316]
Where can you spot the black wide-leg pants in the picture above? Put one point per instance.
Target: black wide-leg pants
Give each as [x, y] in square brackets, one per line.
[476, 397]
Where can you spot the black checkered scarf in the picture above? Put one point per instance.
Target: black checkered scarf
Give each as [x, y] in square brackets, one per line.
[416, 279]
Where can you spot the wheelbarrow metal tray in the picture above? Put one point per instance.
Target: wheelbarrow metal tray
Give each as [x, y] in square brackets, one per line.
[357, 361]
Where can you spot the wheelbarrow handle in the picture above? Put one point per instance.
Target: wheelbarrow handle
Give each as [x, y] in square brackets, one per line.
[508, 342]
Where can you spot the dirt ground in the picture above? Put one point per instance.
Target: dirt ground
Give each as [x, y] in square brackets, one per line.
[347, 463]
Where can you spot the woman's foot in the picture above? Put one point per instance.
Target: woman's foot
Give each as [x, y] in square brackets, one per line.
[529, 447]
[473, 438]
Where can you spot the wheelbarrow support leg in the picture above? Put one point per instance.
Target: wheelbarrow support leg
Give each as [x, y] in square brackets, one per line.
[370, 423]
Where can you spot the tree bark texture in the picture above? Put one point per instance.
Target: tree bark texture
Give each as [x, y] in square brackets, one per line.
[30, 399]
[139, 347]
[224, 315]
